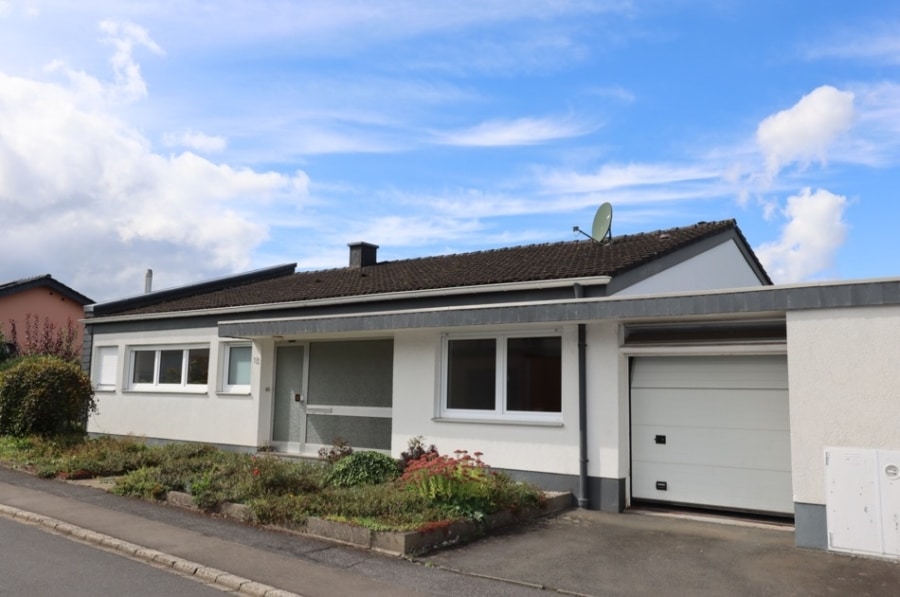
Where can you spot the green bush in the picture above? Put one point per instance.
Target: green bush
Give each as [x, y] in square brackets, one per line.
[363, 468]
[44, 395]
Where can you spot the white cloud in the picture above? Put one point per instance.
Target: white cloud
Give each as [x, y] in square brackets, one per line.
[196, 141]
[124, 37]
[809, 240]
[521, 131]
[84, 192]
[619, 176]
[881, 43]
[803, 132]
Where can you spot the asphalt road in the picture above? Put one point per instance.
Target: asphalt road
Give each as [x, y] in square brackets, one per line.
[34, 562]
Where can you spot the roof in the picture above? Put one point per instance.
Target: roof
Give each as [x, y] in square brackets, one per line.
[531, 263]
[47, 281]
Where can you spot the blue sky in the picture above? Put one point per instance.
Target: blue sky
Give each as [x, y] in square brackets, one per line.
[201, 139]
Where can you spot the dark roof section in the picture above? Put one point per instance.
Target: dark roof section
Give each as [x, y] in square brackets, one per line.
[46, 280]
[169, 296]
[532, 263]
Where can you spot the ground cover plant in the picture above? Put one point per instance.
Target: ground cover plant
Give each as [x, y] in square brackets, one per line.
[364, 488]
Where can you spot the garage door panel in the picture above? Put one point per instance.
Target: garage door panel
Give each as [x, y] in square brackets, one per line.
[714, 372]
[740, 489]
[747, 408]
[740, 448]
[726, 425]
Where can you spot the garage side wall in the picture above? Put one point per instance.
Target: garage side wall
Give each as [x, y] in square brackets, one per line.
[844, 378]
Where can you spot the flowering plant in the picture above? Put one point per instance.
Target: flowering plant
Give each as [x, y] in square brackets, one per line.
[462, 484]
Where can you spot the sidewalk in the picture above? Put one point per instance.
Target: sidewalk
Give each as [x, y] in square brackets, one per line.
[577, 553]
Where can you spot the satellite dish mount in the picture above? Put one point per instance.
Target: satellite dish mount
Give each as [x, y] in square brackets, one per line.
[602, 226]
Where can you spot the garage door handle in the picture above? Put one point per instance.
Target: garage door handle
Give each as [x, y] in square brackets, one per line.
[660, 439]
[662, 486]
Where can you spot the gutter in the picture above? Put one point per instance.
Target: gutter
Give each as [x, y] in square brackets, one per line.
[583, 491]
[351, 300]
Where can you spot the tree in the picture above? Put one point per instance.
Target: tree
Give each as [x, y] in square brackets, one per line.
[46, 338]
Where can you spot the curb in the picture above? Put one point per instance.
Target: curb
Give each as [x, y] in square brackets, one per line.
[208, 574]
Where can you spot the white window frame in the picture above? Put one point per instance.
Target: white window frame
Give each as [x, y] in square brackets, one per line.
[105, 380]
[226, 364]
[500, 412]
[155, 386]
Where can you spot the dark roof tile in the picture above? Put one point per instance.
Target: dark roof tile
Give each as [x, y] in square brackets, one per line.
[531, 263]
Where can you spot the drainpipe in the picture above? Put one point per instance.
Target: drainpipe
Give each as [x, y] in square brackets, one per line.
[583, 493]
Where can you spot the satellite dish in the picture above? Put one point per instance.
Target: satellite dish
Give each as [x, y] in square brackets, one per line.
[602, 222]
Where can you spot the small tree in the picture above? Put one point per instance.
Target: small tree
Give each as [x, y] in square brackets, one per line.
[44, 395]
[46, 338]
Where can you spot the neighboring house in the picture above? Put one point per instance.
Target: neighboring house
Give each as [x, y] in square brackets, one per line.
[657, 367]
[43, 298]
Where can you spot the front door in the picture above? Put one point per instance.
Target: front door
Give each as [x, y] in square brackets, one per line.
[289, 424]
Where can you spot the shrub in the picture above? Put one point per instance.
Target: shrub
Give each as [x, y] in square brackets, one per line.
[462, 485]
[44, 395]
[46, 338]
[363, 468]
[415, 449]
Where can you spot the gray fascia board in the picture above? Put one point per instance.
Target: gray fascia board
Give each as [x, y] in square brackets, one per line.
[763, 300]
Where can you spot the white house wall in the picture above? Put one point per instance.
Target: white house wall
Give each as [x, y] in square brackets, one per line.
[211, 416]
[723, 266]
[536, 447]
[844, 379]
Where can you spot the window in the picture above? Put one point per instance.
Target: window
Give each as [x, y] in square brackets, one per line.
[237, 368]
[169, 368]
[106, 363]
[504, 375]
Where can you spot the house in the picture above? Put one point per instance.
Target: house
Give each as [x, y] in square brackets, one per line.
[42, 299]
[651, 368]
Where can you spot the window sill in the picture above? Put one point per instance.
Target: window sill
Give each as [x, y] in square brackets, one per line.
[504, 421]
[234, 394]
[192, 393]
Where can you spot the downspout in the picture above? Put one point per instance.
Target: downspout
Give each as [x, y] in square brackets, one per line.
[583, 493]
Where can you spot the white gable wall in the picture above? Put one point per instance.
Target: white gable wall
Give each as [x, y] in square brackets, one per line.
[723, 266]
[844, 372]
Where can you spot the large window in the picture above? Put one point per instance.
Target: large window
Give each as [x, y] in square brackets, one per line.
[170, 368]
[503, 375]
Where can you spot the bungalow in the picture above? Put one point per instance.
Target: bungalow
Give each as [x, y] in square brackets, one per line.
[651, 368]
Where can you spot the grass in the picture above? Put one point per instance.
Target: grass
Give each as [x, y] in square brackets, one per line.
[434, 490]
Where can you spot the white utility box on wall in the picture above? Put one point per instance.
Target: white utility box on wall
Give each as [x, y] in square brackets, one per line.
[863, 501]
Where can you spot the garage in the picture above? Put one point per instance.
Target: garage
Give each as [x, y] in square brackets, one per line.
[712, 432]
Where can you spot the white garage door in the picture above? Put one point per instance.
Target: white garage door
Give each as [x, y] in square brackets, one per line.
[712, 431]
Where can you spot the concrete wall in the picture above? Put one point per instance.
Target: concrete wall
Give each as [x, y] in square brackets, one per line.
[844, 375]
[723, 266]
[211, 416]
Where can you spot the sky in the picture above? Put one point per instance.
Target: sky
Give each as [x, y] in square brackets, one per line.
[201, 139]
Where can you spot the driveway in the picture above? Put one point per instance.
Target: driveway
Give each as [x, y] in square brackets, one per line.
[595, 553]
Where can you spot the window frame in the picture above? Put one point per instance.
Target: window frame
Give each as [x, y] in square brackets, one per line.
[105, 354]
[500, 412]
[155, 385]
[229, 388]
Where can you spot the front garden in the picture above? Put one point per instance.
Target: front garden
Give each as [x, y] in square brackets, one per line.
[45, 400]
[421, 491]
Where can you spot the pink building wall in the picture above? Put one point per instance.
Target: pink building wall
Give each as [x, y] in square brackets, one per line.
[43, 302]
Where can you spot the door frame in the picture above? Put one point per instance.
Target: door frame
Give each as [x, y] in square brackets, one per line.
[297, 447]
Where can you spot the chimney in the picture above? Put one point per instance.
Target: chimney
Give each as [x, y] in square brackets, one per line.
[148, 281]
[363, 254]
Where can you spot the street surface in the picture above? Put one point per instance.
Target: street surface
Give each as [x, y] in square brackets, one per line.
[34, 562]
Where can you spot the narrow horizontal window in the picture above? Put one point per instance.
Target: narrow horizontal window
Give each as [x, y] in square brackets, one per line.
[169, 368]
